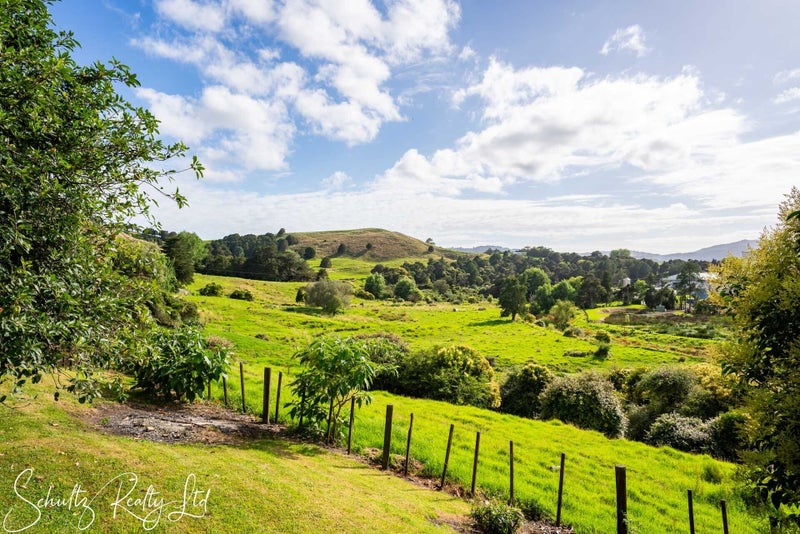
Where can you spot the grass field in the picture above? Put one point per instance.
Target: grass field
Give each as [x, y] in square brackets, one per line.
[658, 478]
[266, 485]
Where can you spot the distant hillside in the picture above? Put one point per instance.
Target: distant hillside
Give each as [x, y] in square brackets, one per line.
[481, 249]
[371, 244]
[716, 252]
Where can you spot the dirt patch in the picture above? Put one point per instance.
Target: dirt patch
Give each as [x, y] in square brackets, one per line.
[178, 423]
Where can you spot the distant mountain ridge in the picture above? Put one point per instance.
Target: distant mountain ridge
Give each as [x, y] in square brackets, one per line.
[715, 252]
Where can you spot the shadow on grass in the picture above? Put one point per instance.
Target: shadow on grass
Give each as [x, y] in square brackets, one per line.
[491, 322]
[305, 310]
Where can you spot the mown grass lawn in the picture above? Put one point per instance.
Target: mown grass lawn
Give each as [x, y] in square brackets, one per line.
[266, 485]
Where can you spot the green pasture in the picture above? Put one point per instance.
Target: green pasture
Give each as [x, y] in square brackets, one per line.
[265, 485]
[657, 478]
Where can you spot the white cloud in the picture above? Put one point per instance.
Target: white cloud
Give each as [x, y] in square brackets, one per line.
[786, 76]
[788, 95]
[338, 90]
[467, 53]
[630, 38]
[193, 15]
[337, 180]
[245, 132]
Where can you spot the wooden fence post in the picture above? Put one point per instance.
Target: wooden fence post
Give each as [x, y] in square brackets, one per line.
[278, 397]
[447, 455]
[208, 395]
[408, 444]
[622, 500]
[511, 472]
[225, 390]
[475, 463]
[560, 489]
[723, 505]
[265, 407]
[387, 436]
[350, 427]
[691, 511]
[241, 379]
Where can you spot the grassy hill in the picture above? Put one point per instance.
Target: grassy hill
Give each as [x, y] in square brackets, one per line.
[370, 244]
[267, 331]
[259, 485]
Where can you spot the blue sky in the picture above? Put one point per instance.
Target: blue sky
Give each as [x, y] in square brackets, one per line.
[579, 126]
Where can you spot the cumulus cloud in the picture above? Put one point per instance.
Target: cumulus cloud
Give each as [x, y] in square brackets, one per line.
[630, 39]
[337, 180]
[788, 95]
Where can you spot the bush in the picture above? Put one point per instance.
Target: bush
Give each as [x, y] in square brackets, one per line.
[241, 294]
[587, 400]
[492, 517]
[573, 331]
[332, 296]
[640, 419]
[728, 435]
[179, 363]
[211, 290]
[520, 393]
[666, 388]
[454, 374]
[602, 336]
[375, 285]
[603, 351]
[688, 434]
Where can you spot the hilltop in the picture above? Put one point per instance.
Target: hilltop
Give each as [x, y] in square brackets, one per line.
[373, 244]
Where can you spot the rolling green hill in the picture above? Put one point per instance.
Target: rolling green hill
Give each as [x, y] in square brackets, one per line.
[371, 244]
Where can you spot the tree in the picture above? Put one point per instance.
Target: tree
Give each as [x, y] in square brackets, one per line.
[404, 288]
[335, 371]
[591, 292]
[762, 291]
[512, 298]
[76, 163]
[331, 295]
[375, 284]
[180, 248]
[309, 253]
[562, 313]
[325, 263]
[688, 281]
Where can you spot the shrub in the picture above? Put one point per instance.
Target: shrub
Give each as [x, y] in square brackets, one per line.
[454, 374]
[334, 371]
[603, 351]
[241, 294]
[587, 400]
[711, 473]
[688, 434]
[573, 331]
[520, 393]
[492, 517]
[332, 296]
[360, 293]
[602, 336]
[325, 263]
[179, 363]
[728, 435]
[375, 285]
[404, 287]
[666, 388]
[562, 313]
[640, 419]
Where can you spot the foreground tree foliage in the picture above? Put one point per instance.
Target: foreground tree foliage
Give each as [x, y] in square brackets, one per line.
[763, 293]
[334, 372]
[75, 162]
